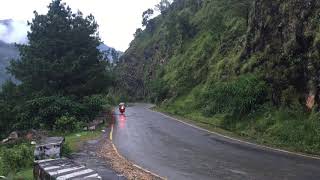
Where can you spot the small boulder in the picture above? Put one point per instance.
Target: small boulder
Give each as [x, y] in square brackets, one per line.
[5, 140]
[32, 135]
[13, 136]
[310, 101]
[92, 128]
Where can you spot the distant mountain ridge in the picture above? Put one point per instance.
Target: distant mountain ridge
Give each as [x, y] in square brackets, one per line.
[111, 54]
[6, 22]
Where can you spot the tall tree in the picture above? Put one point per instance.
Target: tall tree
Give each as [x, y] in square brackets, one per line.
[146, 15]
[163, 6]
[138, 32]
[62, 55]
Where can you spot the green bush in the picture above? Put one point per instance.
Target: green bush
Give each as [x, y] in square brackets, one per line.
[66, 150]
[66, 123]
[111, 99]
[2, 166]
[8, 97]
[296, 129]
[159, 90]
[237, 97]
[6, 119]
[93, 105]
[15, 158]
[50, 112]
[43, 112]
[292, 128]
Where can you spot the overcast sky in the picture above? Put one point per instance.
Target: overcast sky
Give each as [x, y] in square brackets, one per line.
[118, 19]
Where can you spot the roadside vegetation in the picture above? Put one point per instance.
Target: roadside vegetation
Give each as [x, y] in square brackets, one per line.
[249, 67]
[74, 141]
[16, 158]
[63, 84]
[290, 129]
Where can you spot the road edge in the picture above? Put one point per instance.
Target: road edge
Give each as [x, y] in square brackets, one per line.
[135, 165]
[263, 147]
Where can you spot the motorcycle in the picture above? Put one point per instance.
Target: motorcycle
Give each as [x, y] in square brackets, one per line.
[122, 108]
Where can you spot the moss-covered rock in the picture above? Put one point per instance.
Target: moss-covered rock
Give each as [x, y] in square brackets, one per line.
[285, 35]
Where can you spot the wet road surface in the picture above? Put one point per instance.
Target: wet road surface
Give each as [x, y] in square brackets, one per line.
[178, 151]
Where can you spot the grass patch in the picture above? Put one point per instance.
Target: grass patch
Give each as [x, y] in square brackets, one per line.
[25, 174]
[212, 124]
[75, 140]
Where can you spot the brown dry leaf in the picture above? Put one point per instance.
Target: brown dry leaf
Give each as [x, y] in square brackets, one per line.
[122, 165]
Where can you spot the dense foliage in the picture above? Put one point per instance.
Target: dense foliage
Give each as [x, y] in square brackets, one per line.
[237, 97]
[61, 74]
[13, 159]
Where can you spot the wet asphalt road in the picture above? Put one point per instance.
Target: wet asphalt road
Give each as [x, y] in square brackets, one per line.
[178, 151]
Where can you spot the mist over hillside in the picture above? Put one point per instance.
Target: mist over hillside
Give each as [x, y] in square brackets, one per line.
[12, 31]
[7, 53]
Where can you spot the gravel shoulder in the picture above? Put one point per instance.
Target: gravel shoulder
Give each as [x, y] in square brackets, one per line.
[102, 156]
[88, 156]
[122, 165]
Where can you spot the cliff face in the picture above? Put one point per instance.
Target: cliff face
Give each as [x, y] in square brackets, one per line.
[282, 26]
[283, 44]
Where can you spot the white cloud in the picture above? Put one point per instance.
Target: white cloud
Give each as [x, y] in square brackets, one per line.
[3, 30]
[118, 19]
[15, 32]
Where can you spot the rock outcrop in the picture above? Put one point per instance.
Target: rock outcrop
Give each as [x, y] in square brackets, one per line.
[283, 42]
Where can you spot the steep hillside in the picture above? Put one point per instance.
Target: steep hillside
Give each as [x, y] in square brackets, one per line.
[196, 43]
[190, 44]
[248, 66]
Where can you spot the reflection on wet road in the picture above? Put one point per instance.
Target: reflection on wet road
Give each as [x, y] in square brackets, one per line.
[177, 151]
[122, 121]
